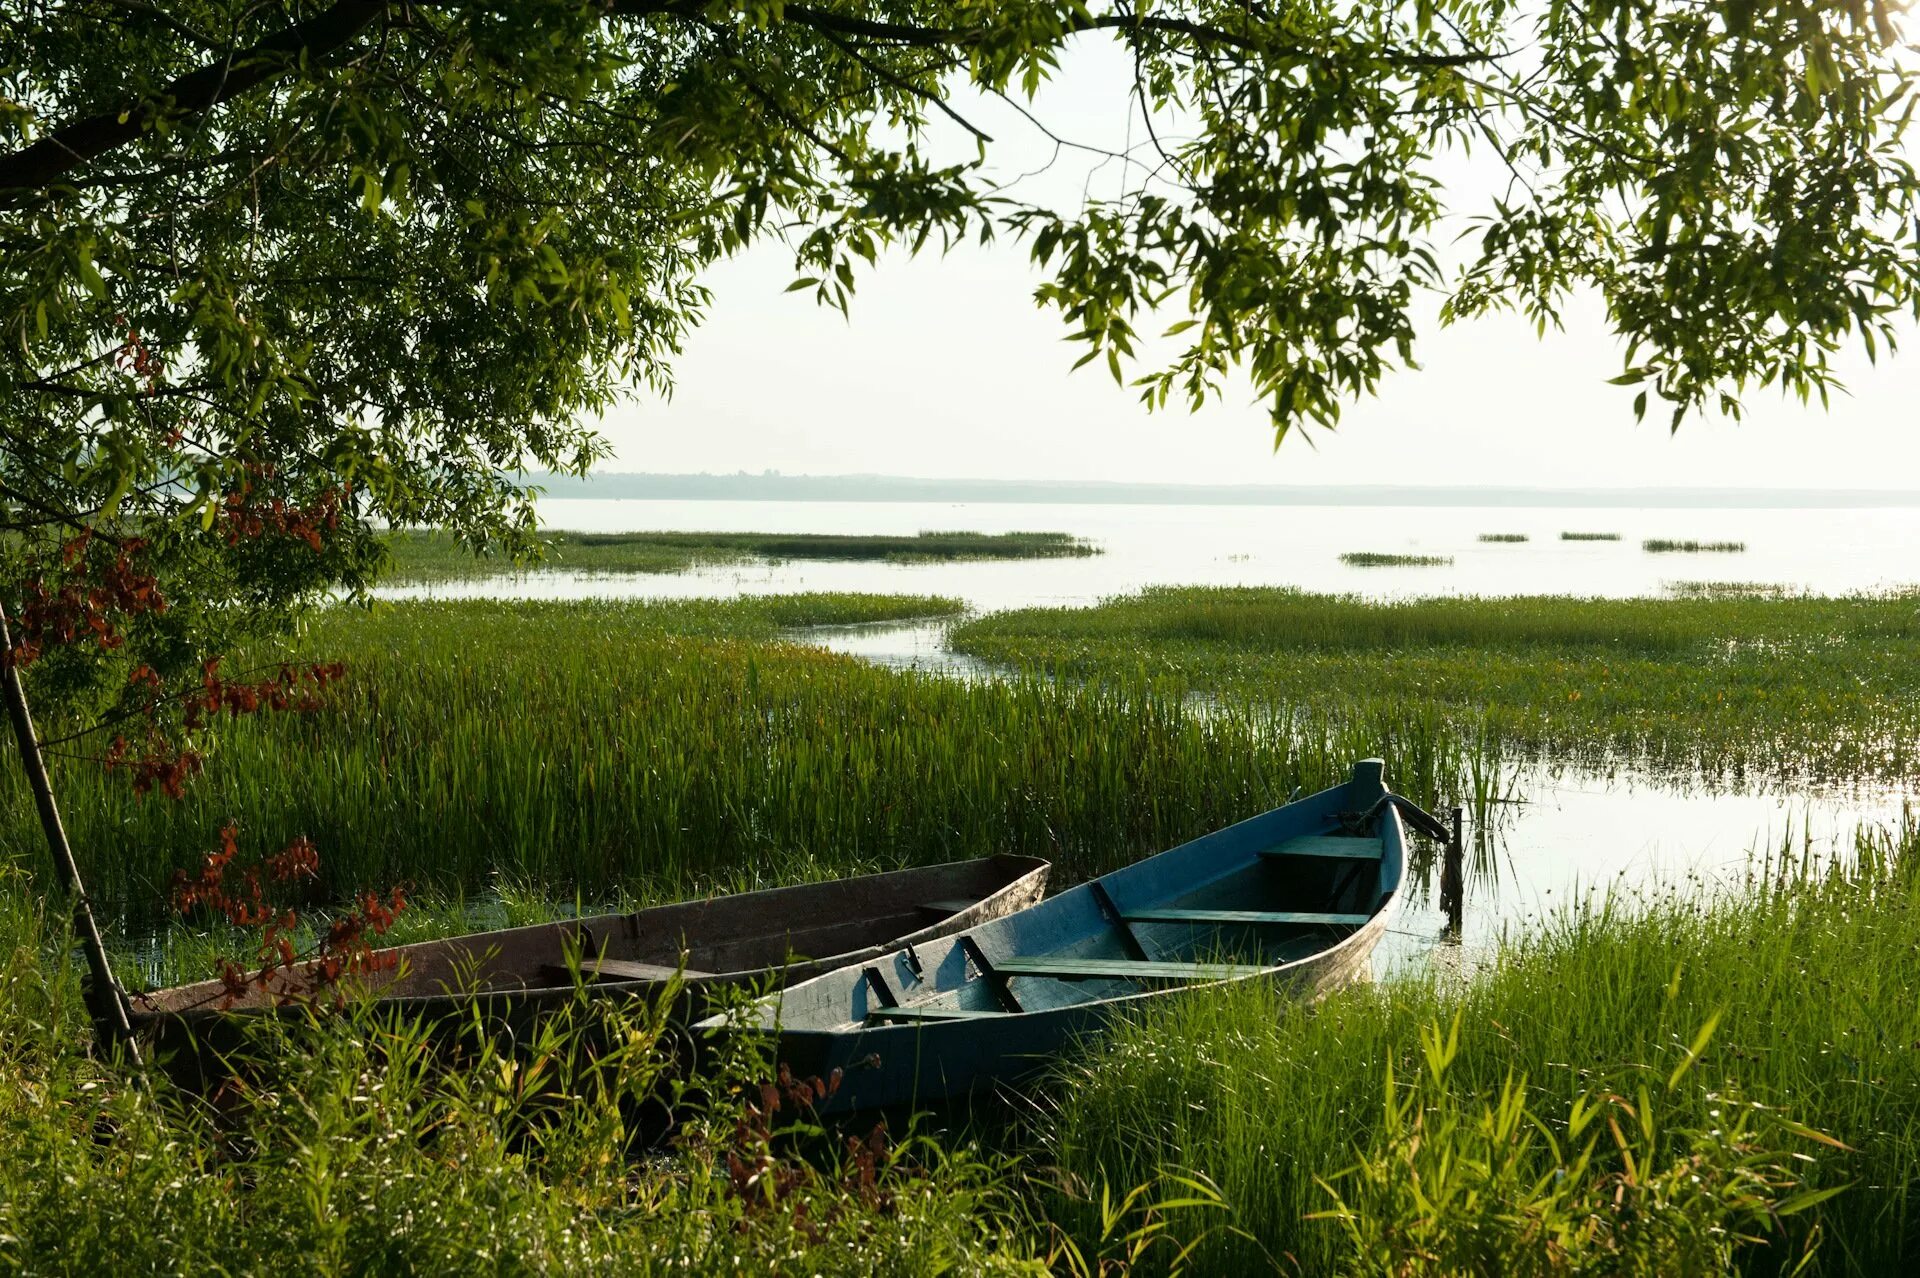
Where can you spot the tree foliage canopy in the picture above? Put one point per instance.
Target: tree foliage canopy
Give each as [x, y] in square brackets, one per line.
[268, 261]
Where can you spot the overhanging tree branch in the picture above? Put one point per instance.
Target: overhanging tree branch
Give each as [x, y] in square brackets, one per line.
[42, 163]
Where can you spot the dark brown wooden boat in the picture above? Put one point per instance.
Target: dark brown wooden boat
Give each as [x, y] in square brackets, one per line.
[765, 938]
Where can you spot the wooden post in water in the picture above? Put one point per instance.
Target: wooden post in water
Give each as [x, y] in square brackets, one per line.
[1452, 874]
[109, 1000]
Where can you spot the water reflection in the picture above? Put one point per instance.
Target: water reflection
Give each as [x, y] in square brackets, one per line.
[1571, 834]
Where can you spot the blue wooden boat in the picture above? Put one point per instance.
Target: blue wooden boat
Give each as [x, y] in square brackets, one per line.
[1300, 895]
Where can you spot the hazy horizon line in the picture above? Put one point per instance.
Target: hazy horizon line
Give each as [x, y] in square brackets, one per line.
[785, 486]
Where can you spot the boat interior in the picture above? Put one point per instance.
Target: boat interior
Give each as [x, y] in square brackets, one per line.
[726, 936]
[1126, 933]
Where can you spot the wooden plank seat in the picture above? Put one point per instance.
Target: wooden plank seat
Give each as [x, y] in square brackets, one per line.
[931, 1013]
[1330, 846]
[611, 969]
[1300, 917]
[1079, 969]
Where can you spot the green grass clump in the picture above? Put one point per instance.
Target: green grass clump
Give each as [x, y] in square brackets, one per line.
[435, 556]
[1503, 537]
[1379, 559]
[1784, 1009]
[667, 748]
[1589, 536]
[1787, 689]
[1666, 545]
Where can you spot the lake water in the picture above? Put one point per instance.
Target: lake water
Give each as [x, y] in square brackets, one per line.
[1562, 836]
[1832, 551]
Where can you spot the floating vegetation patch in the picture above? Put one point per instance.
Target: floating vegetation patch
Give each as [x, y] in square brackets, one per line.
[1380, 559]
[434, 556]
[1665, 545]
[1503, 537]
[1589, 536]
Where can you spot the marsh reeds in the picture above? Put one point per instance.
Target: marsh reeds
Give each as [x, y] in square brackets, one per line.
[1668, 545]
[1381, 559]
[436, 556]
[1589, 536]
[1784, 690]
[667, 749]
[1504, 537]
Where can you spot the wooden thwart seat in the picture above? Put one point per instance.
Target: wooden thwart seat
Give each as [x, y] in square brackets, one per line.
[931, 1013]
[610, 969]
[1302, 917]
[1074, 969]
[1330, 846]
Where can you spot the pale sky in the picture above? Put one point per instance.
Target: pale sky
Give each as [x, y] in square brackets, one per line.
[946, 368]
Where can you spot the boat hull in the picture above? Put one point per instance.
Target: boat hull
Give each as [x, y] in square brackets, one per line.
[510, 977]
[1300, 888]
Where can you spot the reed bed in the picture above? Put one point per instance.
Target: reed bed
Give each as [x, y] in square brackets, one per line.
[1727, 688]
[1730, 590]
[434, 556]
[1504, 537]
[1668, 545]
[1589, 536]
[1382, 559]
[660, 749]
[1792, 999]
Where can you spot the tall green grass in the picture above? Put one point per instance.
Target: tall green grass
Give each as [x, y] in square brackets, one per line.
[435, 556]
[659, 749]
[1736, 688]
[1791, 1003]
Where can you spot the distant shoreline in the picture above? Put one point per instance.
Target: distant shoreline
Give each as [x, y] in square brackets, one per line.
[887, 488]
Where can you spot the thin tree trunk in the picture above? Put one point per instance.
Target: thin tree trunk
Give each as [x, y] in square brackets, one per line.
[108, 1001]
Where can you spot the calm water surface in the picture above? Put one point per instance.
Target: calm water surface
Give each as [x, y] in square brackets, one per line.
[1563, 835]
[1831, 551]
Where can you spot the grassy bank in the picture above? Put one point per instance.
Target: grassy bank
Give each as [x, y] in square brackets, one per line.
[433, 556]
[596, 747]
[1722, 685]
[1726, 1029]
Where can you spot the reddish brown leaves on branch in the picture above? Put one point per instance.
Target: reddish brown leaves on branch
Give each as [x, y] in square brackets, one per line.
[162, 763]
[244, 518]
[293, 688]
[240, 895]
[138, 359]
[84, 599]
[764, 1180]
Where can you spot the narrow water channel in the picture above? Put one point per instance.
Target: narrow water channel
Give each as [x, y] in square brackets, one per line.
[1561, 835]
